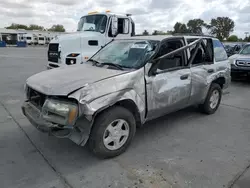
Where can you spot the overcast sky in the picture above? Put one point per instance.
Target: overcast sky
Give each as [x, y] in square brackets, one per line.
[148, 14]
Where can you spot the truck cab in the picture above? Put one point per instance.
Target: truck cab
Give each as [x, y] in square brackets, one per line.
[94, 31]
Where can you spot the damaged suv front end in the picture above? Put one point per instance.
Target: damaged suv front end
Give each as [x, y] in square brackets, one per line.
[63, 102]
[56, 115]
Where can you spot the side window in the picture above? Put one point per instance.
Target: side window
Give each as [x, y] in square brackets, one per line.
[237, 48]
[172, 62]
[204, 53]
[123, 25]
[219, 51]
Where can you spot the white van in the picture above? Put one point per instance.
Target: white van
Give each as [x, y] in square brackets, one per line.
[41, 40]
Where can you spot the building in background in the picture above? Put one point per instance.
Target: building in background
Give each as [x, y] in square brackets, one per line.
[12, 37]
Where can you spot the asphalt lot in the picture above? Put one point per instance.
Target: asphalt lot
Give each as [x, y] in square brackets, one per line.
[183, 150]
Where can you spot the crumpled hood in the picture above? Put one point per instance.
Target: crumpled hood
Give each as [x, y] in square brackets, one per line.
[62, 81]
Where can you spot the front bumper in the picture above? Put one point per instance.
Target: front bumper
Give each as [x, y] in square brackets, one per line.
[79, 133]
[33, 114]
[239, 70]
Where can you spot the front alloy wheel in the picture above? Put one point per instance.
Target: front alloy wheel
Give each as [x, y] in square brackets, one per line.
[112, 132]
[116, 134]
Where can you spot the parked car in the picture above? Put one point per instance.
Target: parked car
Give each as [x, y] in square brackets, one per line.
[240, 63]
[233, 48]
[125, 84]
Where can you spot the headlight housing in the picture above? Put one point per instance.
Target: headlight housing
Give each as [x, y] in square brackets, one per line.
[60, 112]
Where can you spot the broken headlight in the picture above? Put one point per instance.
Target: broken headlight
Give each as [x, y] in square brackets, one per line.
[60, 112]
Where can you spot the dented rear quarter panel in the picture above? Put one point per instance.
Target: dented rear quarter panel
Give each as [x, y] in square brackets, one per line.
[201, 80]
[104, 93]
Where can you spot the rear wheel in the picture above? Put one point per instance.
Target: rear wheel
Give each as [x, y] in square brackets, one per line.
[112, 133]
[213, 99]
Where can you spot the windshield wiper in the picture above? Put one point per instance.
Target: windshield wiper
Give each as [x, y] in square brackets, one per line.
[94, 62]
[110, 64]
[114, 65]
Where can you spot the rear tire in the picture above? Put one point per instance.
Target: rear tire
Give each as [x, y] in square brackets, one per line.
[213, 99]
[112, 132]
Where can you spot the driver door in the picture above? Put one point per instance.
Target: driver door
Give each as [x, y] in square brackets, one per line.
[169, 89]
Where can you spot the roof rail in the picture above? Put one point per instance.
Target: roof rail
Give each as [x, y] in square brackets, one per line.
[192, 34]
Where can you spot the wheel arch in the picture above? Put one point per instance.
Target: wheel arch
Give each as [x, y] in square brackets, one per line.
[220, 81]
[128, 104]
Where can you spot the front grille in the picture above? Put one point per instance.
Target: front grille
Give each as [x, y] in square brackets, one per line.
[35, 97]
[53, 47]
[52, 59]
[53, 53]
[243, 63]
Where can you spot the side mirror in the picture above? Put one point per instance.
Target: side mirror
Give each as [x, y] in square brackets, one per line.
[114, 25]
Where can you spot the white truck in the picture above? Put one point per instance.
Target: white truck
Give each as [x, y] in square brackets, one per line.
[31, 39]
[94, 31]
[41, 40]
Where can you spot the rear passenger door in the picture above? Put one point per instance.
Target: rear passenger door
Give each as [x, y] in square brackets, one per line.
[202, 69]
[169, 88]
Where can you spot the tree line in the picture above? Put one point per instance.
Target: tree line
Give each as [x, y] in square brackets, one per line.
[54, 28]
[220, 27]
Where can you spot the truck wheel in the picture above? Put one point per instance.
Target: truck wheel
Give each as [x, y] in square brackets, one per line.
[112, 132]
[213, 99]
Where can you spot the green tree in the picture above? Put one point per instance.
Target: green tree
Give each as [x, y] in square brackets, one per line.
[17, 26]
[221, 27]
[145, 33]
[180, 28]
[169, 32]
[232, 38]
[247, 39]
[57, 28]
[195, 26]
[155, 32]
[36, 27]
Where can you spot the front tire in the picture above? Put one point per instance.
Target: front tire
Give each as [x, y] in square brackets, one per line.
[213, 99]
[112, 132]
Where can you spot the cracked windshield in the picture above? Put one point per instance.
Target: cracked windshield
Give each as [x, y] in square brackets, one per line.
[128, 54]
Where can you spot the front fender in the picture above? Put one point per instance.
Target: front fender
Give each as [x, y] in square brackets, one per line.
[98, 104]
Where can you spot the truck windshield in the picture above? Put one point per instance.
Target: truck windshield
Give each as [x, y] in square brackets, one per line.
[95, 23]
[245, 50]
[125, 53]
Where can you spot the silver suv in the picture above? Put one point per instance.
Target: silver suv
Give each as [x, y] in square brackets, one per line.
[125, 84]
[240, 62]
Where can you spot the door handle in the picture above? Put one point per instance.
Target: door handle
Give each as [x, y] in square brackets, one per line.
[184, 77]
[210, 70]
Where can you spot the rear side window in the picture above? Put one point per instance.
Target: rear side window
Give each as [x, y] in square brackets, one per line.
[219, 51]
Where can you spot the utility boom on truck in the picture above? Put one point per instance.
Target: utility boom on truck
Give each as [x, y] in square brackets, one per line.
[94, 31]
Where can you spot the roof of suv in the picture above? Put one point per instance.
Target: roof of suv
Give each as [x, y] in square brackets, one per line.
[162, 37]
